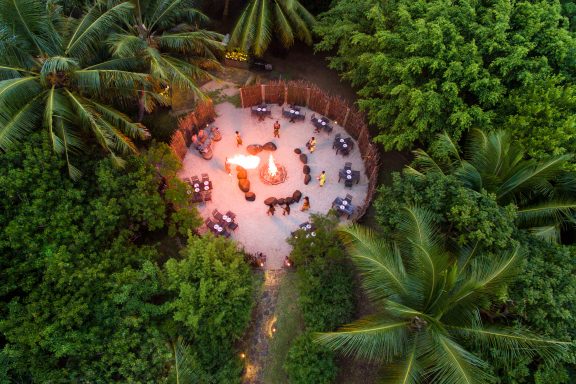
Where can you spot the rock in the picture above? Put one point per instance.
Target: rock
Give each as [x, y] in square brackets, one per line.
[289, 200]
[254, 149]
[280, 201]
[306, 169]
[297, 151]
[244, 185]
[303, 158]
[270, 201]
[307, 179]
[250, 196]
[297, 195]
[269, 146]
[242, 174]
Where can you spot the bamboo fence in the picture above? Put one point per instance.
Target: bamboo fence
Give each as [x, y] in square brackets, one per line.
[309, 95]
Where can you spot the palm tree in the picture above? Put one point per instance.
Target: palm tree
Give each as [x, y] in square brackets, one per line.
[429, 304]
[541, 189]
[288, 18]
[52, 75]
[162, 36]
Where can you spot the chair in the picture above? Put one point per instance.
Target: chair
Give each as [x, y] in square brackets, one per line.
[195, 179]
[348, 183]
[232, 226]
[231, 215]
[336, 138]
[205, 177]
[217, 215]
[207, 196]
[348, 198]
[209, 223]
[313, 116]
[348, 165]
[187, 180]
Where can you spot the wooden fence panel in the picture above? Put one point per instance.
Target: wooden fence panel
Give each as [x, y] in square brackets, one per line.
[297, 95]
[178, 145]
[205, 112]
[318, 101]
[274, 93]
[337, 110]
[251, 96]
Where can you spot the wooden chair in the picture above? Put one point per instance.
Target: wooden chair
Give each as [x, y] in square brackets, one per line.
[348, 198]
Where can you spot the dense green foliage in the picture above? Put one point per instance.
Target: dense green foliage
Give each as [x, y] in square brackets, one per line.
[309, 362]
[326, 298]
[462, 214]
[85, 293]
[427, 67]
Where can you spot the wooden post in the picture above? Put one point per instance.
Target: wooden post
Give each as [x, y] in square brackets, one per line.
[285, 93]
[262, 93]
[308, 97]
[346, 117]
[327, 108]
[242, 98]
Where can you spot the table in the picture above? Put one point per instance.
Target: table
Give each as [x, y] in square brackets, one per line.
[217, 229]
[343, 146]
[198, 189]
[308, 228]
[322, 123]
[225, 220]
[350, 176]
[294, 113]
[343, 206]
[261, 111]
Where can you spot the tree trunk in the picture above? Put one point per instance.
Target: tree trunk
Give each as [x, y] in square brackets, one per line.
[141, 106]
[226, 9]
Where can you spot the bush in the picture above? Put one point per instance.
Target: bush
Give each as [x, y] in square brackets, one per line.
[309, 362]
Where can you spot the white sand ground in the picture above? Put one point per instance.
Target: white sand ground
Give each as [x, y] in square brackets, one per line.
[258, 232]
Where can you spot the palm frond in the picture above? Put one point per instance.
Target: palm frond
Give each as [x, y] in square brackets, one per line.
[263, 33]
[451, 364]
[424, 162]
[405, 370]
[97, 81]
[181, 74]
[87, 36]
[369, 339]
[298, 23]
[17, 91]
[550, 233]
[513, 343]
[27, 18]
[283, 26]
[380, 264]
[201, 43]
[554, 212]
[126, 45]
[16, 123]
[244, 30]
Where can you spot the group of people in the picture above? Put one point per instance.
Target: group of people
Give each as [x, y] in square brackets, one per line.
[286, 207]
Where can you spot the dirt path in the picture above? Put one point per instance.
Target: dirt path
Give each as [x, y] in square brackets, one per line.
[263, 328]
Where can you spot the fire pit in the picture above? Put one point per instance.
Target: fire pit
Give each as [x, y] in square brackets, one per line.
[273, 173]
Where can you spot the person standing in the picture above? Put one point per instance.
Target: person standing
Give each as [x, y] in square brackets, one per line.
[286, 210]
[311, 144]
[227, 167]
[271, 210]
[305, 204]
[277, 129]
[238, 139]
[322, 178]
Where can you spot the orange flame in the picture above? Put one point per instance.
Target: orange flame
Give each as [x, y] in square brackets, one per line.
[245, 161]
[272, 169]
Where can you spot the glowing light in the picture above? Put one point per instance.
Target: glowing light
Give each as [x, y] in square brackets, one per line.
[245, 161]
[272, 169]
[242, 355]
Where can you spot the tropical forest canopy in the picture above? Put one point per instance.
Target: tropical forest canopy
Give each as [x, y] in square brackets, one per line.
[468, 264]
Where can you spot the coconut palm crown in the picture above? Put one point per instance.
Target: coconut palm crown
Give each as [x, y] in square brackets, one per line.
[261, 18]
[52, 76]
[164, 37]
[429, 303]
[543, 191]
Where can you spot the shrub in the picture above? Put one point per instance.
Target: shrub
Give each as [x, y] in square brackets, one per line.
[309, 362]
